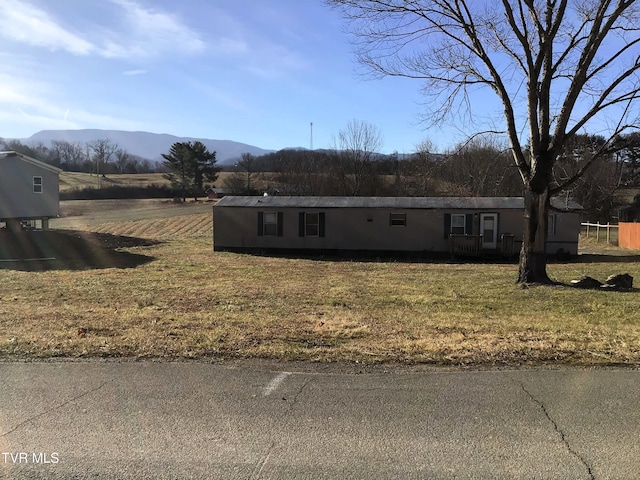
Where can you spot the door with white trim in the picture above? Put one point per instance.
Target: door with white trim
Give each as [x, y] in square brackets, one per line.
[489, 230]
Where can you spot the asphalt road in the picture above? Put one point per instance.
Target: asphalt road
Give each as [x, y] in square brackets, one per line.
[144, 420]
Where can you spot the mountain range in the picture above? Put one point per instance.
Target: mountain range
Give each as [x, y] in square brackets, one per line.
[146, 145]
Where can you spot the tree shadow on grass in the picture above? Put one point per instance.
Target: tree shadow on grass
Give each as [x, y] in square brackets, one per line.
[373, 256]
[428, 257]
[606, 258]
[44, 250]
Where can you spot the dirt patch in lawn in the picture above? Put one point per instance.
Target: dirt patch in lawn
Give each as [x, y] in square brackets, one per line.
[43, 250]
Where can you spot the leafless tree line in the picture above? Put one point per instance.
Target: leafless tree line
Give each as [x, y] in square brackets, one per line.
[480, 167]
[98, 157]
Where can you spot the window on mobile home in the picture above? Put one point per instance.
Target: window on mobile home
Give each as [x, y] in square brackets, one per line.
[458, 224]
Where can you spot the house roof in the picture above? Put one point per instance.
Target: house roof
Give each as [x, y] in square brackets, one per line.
[405, 203]
[27, 159]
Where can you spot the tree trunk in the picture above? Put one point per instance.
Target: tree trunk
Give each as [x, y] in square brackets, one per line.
[533, 255]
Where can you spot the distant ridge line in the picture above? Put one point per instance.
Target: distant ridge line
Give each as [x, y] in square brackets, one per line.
[146, 144]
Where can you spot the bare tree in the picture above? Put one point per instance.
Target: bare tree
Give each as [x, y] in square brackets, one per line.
[595, 188]
[70, 156]
[355, 149]
[103, 150]
[630, 156]
[239, 182]
[557, 67]
[418, 172]
[480, 167]
[304, 173]
[122, 160]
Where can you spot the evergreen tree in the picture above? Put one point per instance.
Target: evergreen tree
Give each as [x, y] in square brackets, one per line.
[188, 164]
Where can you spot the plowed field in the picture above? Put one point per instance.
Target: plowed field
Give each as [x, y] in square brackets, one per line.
[154, 218]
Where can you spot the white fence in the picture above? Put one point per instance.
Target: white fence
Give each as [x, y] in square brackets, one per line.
[595, 229]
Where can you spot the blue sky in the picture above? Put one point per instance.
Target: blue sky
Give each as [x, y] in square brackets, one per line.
[257, 72]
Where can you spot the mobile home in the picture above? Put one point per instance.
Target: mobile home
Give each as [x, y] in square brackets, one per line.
[467, 225]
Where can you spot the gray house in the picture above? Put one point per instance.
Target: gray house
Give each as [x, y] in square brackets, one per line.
[455, 225]
[29, 190]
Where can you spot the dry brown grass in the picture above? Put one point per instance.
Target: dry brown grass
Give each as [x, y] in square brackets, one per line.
[191, 302]
[78, 180]
[146, 218]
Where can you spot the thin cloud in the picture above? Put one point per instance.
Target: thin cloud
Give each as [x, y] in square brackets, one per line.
[134, 72]
[220, 96]
[142, 32]
[227, 46]
[30, 106]
[50, 117]
[17, 90]
[152, 33]
[274, 61]
[262, 51]
[27, 24]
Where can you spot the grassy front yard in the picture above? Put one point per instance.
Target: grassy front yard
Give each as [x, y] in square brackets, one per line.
[188, 302]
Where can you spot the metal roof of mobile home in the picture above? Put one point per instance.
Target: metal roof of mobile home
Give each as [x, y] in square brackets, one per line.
[405, 203]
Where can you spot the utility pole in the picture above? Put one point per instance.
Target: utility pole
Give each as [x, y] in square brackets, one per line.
[311, 138]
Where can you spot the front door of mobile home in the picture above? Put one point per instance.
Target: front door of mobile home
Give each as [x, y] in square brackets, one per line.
[489, 230]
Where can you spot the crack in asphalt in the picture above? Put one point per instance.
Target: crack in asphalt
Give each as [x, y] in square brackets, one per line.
[557, 428]
[55, 407]
[298, 393]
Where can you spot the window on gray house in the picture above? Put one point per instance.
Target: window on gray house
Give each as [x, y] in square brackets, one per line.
[311, 224]
[37, 184]
[270, 224]
[458, 223]
[398, 219]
